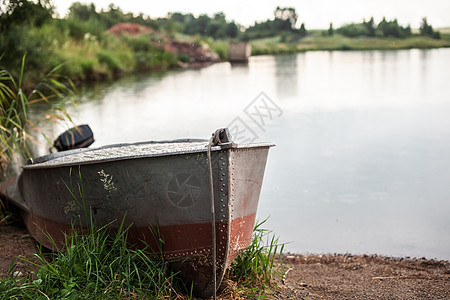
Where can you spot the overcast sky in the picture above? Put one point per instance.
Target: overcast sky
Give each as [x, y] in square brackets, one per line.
[314, 13]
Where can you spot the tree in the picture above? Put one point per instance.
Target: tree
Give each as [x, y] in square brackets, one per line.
[370, 26]
[425, 28]
[232, 30]
[177, 17]
[219, 17]
[353, 30]
[286, 14]
[302, 30]
[392, 28]
[202, 23]
[18, 12]
[24, 29]
[331, 30]
[82, 12]
[172, 27]
[113, 16]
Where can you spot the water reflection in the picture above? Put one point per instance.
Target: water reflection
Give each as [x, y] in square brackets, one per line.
[286, 76]
[361, 163]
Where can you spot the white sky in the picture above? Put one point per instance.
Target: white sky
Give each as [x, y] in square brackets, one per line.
[314, 13]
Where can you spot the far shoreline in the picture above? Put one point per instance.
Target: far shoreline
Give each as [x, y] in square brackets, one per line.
[316, 41]
[298, 257]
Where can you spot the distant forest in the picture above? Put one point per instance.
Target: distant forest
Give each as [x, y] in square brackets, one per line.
[384, 29]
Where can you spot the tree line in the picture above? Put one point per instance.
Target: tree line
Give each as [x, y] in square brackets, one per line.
[30, 26]
[383, 29]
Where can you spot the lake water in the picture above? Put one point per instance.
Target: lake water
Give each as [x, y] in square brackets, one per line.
[362, 162]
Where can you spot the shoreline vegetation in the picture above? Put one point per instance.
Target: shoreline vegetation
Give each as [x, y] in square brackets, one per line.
[92, 45]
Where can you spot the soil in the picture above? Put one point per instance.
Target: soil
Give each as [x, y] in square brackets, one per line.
[311, 276]
[199, 55]
[363, 277]
[129, 29]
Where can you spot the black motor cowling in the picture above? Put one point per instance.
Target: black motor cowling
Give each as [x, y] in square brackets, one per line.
[77, 137]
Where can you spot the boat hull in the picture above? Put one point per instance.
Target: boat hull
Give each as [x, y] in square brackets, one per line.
[170, 193]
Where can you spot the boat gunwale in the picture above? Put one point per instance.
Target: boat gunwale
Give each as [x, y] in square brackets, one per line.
[43, 161]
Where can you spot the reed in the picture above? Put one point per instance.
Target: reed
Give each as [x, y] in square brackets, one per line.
[17, 129]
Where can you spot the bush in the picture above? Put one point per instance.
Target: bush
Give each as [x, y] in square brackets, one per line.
[220, 47]
[39, 44]
[353, 30]
[87, 66]
[436, 35]
[183, 57]
[110, 60]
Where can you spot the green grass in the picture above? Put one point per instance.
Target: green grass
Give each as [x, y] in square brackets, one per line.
[220, 47]
[253, 270]
[93, 265]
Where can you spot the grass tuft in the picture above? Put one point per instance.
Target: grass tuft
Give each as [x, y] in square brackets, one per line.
[254, 268]
[93, 265]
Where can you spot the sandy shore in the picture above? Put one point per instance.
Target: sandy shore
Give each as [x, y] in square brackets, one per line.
[363, 277]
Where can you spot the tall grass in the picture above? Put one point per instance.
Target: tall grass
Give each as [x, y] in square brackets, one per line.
[253, 270]
[93, 265]
[220, 47]
[17, 128]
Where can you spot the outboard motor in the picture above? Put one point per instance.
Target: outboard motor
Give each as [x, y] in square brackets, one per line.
[77, 137]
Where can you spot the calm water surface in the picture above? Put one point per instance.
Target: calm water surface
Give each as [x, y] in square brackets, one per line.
[362, 162]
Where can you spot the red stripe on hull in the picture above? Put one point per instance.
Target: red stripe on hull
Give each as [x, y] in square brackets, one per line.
[187, 247]
[241, 233]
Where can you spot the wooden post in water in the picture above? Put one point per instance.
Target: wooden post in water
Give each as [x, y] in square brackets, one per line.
[239, 52]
